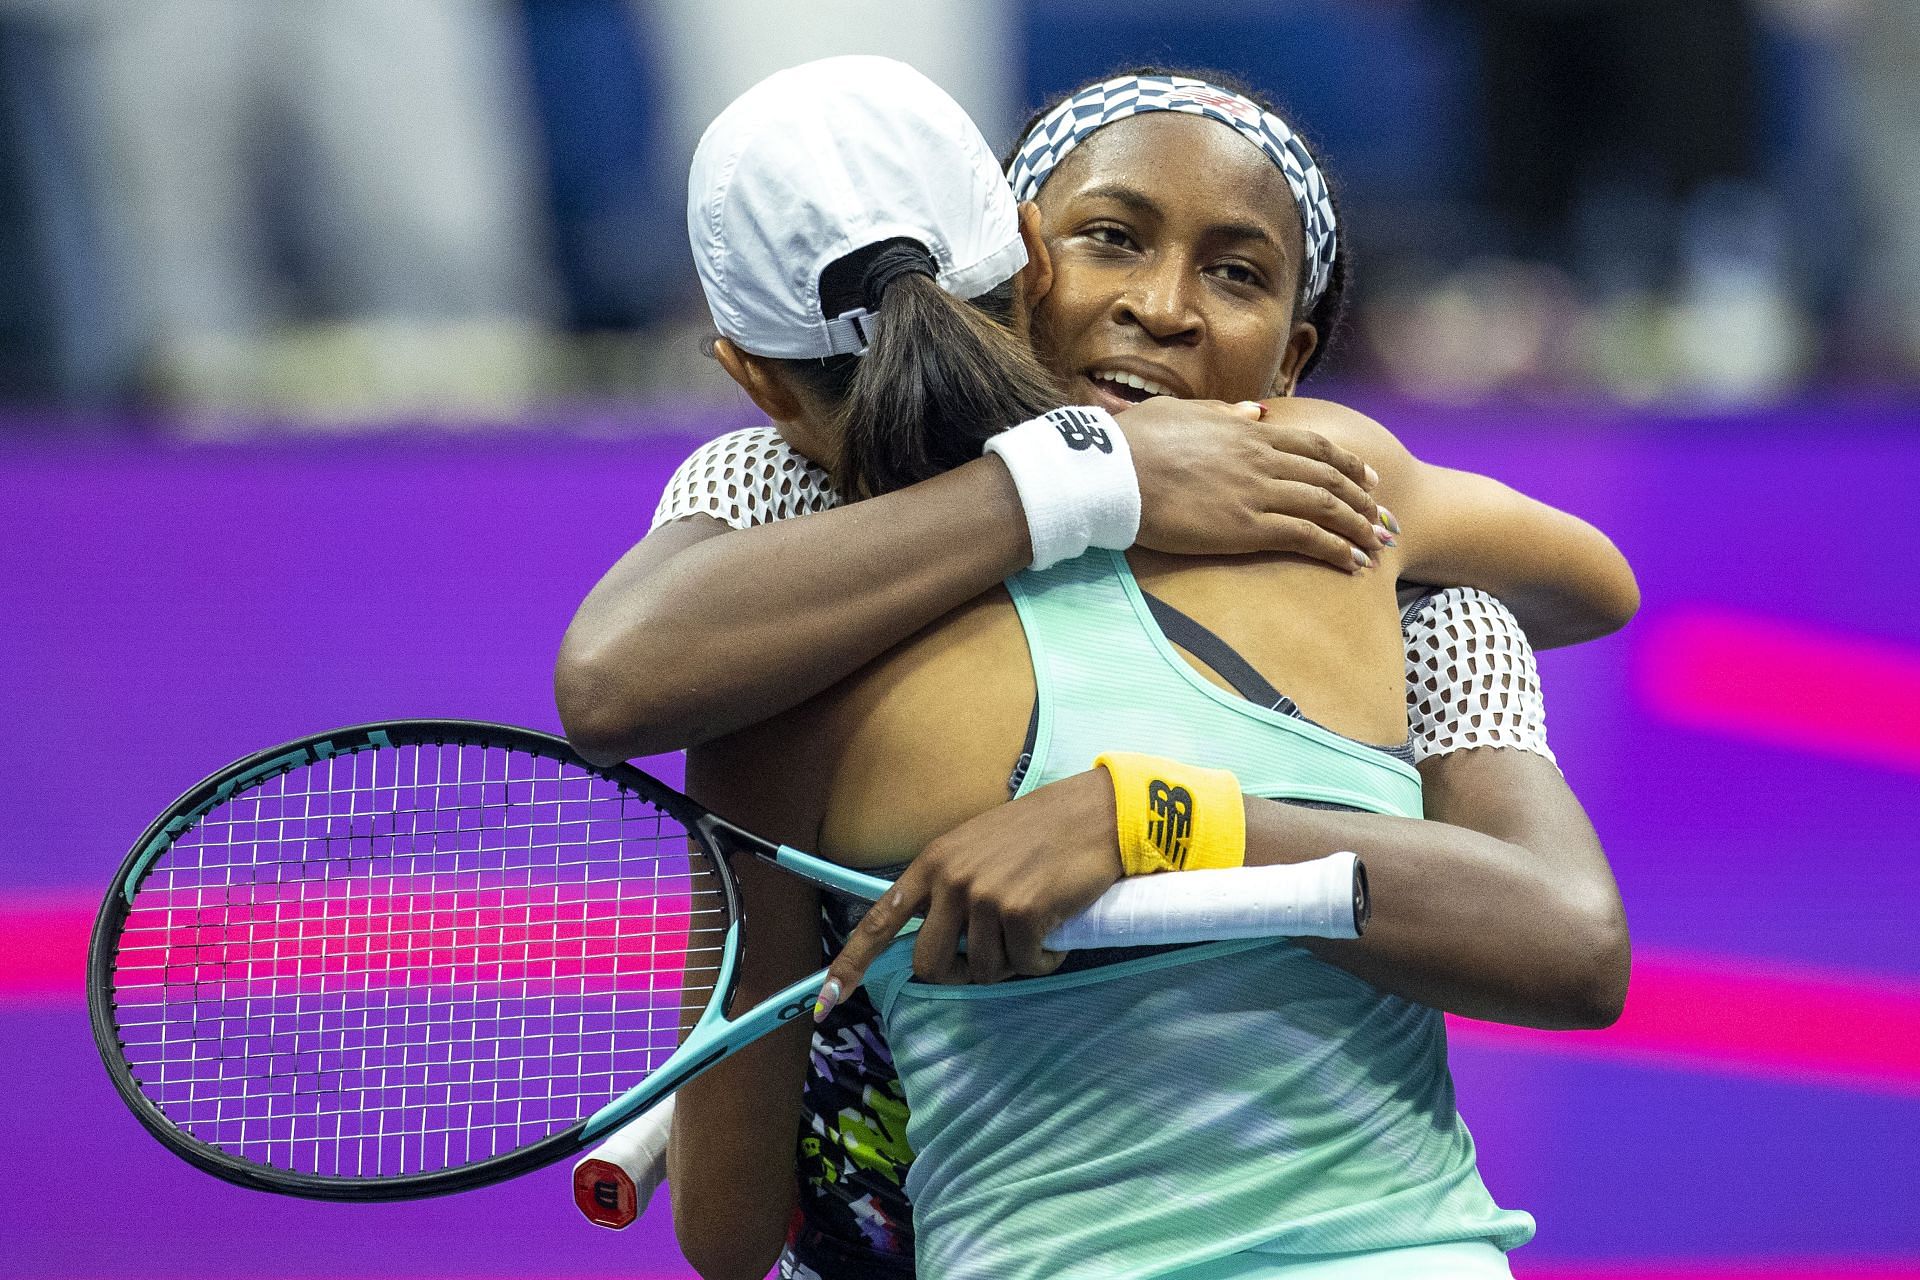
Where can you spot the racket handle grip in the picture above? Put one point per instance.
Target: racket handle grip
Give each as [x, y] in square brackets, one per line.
[613, 1182]
[1324, 898]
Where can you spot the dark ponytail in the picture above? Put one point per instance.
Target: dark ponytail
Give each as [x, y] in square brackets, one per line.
[938, 377]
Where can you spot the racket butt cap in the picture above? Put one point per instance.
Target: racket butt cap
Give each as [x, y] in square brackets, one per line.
[1362, 899]
[605, 1194]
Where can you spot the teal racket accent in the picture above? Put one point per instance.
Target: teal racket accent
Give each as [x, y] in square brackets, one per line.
[831, 875]
[715, 1037]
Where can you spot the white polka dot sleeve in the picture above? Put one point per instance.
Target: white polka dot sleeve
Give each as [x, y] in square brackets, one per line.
[1471, 677]
[746, 478]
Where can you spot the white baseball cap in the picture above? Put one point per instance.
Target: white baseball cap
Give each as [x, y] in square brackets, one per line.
[820, 160]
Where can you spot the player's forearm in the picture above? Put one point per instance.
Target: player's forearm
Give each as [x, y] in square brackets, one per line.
[730, 1161]
[1563, 578]
[731, 1157]
[1463, 921]
[1582, 589]
[744, 625]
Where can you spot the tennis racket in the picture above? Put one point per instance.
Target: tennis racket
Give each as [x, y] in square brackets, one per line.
[411, 958]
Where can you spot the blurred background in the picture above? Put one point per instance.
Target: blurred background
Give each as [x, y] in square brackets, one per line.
[341, 210]
[344, 343]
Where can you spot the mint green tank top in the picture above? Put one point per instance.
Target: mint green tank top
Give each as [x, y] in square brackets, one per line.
[1168, 1112]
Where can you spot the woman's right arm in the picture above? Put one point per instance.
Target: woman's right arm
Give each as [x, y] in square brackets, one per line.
[702, 629]
[1512, 915]
[731, 1155]
[730, 1160]
[708, 626]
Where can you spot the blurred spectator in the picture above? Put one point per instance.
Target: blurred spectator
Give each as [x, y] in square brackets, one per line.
[1630, 227]
[1884, 57]
[622, 111]
[364, 208]
[323, 205]
[718, 48]
[61, 337]
[1635, 104]
[617, 196]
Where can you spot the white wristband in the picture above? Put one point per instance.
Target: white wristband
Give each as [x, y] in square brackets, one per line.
[1076, 481]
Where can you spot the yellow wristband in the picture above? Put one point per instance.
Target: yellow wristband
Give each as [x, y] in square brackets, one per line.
[1173, 816]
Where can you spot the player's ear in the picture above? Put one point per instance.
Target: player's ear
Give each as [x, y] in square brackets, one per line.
[1300, 347]
[1035, 280]
[770, 392]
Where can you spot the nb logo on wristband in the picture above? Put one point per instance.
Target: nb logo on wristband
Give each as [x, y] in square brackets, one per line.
[1081, 430]
[1170, 826]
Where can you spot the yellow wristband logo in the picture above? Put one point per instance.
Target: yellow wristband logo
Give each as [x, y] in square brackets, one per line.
[1170, 821]
[1157, 804]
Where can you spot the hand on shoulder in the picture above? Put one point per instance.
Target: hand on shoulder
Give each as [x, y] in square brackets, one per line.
[1216, 480]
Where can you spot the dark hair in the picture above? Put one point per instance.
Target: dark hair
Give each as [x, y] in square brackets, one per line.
[938, 377]
[1331, 307]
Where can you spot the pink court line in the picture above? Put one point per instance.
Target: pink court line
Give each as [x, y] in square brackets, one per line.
[43, 947]
[362, 936]
[1750, 1017]
[1755, 1269]
[1772, 1269]
[1784, 684]
[1715, 1013]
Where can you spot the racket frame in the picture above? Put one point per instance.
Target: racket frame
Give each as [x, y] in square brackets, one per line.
[713, 1038]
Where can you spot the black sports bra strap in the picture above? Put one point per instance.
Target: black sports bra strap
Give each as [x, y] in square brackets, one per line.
[1237, 671]
[1025, 761]
[1218, 656]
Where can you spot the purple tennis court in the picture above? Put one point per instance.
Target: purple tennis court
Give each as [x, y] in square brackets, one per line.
[1742, 748]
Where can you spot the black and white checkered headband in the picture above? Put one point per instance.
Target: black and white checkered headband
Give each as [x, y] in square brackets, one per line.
[1067, 126]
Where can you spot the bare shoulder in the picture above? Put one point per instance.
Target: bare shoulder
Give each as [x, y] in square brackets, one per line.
[1346, 427]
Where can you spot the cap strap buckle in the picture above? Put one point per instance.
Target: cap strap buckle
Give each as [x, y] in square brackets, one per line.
[851, 332]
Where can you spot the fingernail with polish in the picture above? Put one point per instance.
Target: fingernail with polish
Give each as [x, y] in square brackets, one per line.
[829, 997]
[1387, 539]
[1387, 519]
[1373, 478]
[1360, 558]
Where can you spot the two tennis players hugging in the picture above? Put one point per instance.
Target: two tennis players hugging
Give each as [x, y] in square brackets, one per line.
[1040, 536]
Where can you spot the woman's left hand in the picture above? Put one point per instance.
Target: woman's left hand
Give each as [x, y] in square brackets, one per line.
[1003, 881]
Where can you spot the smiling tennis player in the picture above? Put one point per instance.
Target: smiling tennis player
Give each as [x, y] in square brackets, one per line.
[895, 829]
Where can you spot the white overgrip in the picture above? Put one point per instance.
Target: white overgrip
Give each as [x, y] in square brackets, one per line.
[1314, 899]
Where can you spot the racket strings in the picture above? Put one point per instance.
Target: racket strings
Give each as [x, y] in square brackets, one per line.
[412, 959]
